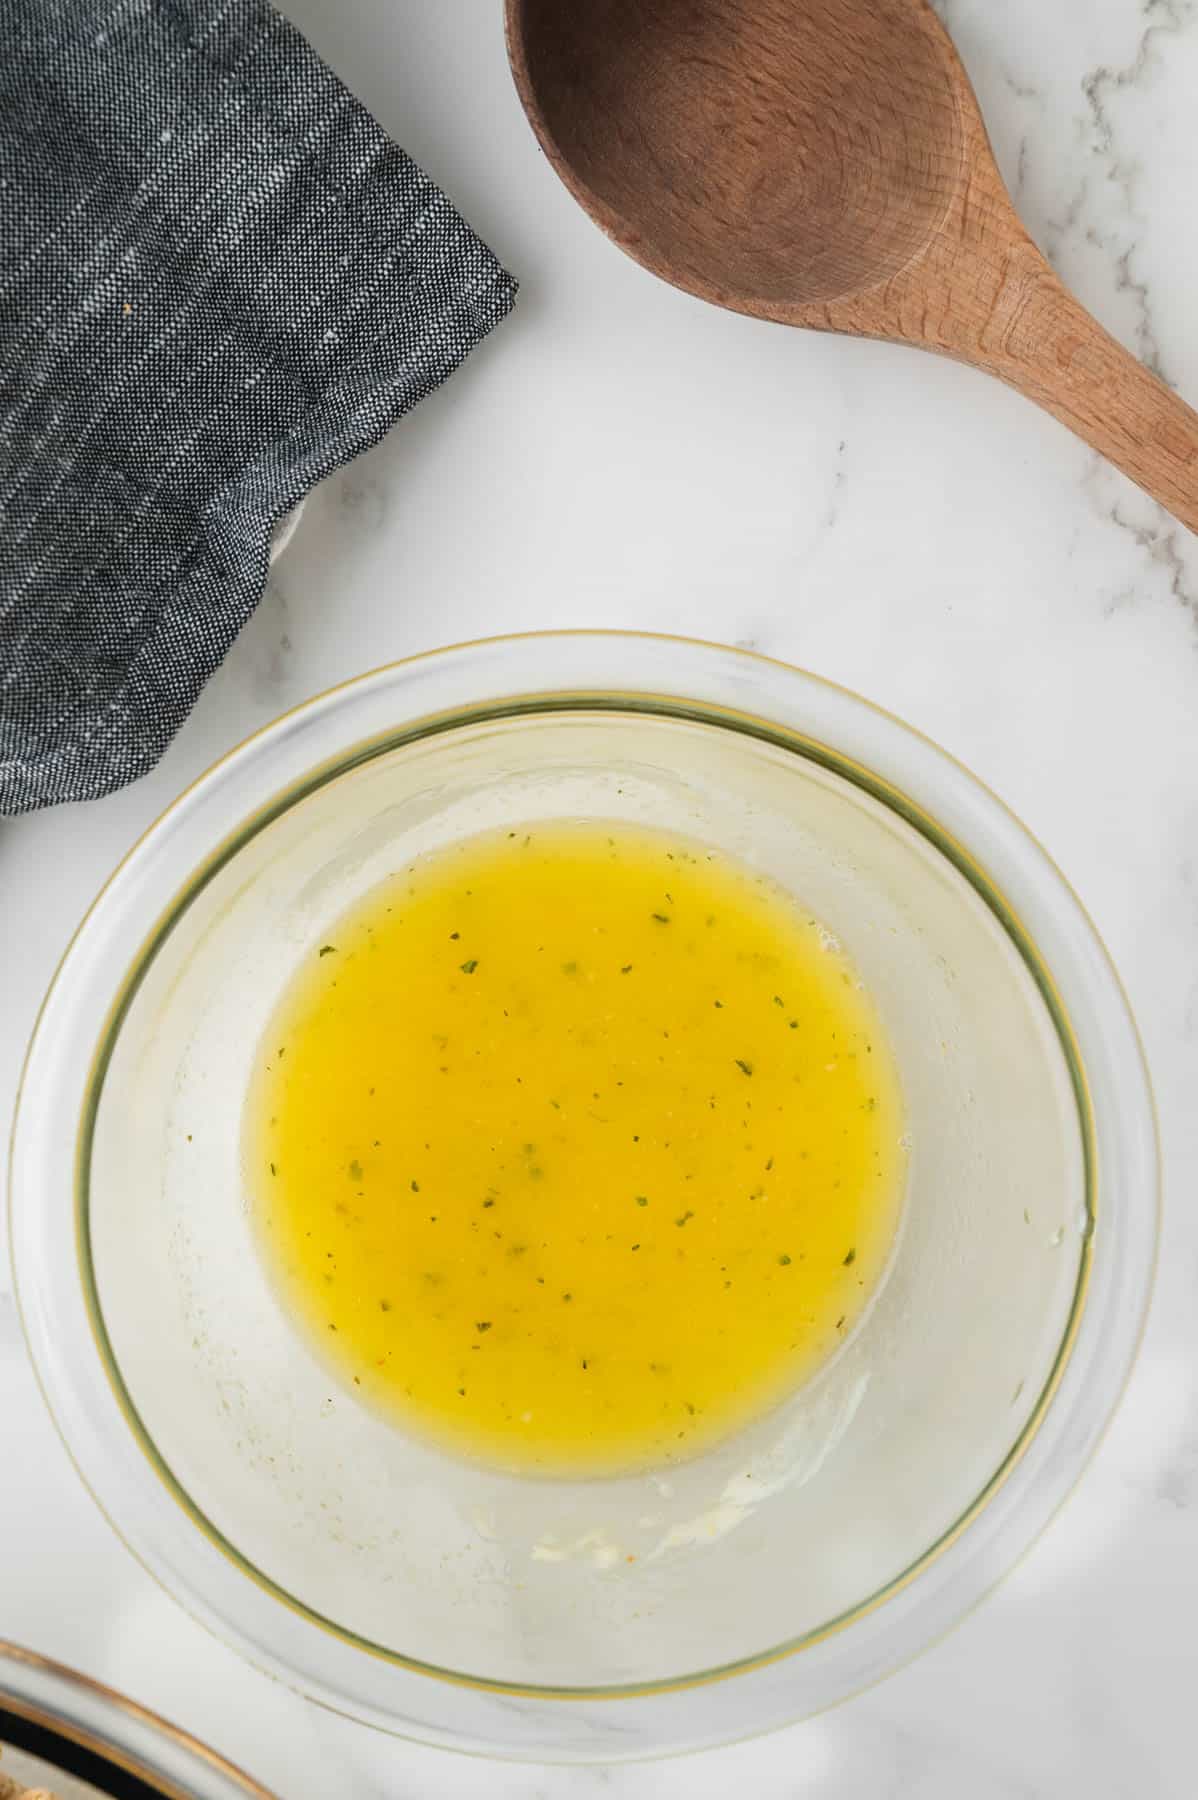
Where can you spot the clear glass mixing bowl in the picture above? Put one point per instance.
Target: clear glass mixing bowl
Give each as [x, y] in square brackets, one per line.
[616, 1618]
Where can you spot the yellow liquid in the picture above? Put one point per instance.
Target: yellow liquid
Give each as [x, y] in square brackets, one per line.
[576, 1150]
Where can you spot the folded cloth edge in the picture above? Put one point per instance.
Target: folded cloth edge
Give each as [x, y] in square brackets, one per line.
[218, 580]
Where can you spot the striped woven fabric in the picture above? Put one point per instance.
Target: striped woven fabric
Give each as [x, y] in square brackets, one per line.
[219, 280]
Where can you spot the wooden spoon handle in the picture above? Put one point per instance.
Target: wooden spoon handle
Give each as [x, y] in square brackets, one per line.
[1057, 353]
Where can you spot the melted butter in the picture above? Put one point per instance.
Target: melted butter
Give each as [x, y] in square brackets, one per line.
[576, 1150]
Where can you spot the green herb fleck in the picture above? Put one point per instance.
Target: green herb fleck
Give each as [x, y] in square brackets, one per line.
[483, 1325]
[641, 1199]
[746, 1068]
[627, 969]
[784, 1260]
[570, 968]
[328, 949]
[468, 968]
[415, 1186]
[685, 1216]
[355, 1170]
[850, 1257]
[662, 918]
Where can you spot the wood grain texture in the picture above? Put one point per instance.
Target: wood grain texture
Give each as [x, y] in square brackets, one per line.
[824, 163]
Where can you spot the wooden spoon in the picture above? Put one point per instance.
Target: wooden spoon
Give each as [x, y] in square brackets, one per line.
[824, 163]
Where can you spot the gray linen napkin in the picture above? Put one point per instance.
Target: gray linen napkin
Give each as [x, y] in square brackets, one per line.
[219, 280]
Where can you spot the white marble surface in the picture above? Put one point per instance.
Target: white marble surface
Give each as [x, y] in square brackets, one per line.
[619, 454]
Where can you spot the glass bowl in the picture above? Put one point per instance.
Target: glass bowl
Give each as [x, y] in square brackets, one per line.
[64, 1733]
[781, 1571]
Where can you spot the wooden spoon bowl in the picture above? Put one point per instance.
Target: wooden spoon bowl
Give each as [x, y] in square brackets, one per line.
[824, 163]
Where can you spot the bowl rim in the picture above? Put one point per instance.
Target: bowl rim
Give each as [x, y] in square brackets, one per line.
[782, 688]
[86, 1729]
